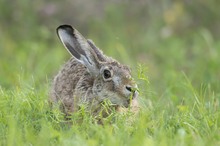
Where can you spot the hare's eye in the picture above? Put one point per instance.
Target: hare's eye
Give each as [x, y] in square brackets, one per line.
[107, 74]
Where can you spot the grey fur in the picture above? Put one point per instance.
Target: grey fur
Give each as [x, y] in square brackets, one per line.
[82, 81]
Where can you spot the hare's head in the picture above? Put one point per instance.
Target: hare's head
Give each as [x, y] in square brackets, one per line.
[112, 80]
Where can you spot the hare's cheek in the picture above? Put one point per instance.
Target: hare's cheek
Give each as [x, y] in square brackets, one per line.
[98, 87]
[117, 81]
[118, 85]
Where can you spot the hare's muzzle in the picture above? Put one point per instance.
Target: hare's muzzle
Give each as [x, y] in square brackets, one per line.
[133, 90]
[133, 94]
[129, 88]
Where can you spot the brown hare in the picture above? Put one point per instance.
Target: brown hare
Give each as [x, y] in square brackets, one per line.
[89, 77]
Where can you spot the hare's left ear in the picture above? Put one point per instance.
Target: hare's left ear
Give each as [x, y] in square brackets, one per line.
[78, 46]
[98, 52]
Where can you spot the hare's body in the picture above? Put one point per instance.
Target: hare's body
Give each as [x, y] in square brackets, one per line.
[89, 77]
[65, 83]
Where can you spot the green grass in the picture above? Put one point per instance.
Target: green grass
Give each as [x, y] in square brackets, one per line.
[178, 78]
[26, 119]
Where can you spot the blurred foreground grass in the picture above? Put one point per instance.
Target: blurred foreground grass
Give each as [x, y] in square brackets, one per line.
[178, 75]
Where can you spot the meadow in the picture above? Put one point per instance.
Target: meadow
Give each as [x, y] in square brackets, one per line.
[175, 59]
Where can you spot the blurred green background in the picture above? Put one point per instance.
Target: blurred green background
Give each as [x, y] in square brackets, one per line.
[174, 39]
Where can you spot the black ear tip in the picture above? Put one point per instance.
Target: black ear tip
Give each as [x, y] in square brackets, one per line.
[66, 27]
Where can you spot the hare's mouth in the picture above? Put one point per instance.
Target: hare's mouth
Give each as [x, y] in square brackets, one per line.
[128, 102]
[135, 94]
[122, 100]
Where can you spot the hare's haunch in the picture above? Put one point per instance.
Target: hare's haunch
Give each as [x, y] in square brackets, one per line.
[90, 77]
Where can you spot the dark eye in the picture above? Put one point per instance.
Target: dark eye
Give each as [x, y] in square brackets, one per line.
[107, 74]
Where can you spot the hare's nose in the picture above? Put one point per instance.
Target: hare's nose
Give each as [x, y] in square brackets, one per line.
[129, 88]
[133, 90]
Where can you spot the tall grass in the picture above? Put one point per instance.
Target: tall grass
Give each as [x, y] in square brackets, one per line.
[26, 119]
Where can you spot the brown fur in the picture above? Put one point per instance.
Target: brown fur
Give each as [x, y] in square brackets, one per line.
[77, 84]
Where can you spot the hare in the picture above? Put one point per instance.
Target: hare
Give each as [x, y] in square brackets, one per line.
[89, 77]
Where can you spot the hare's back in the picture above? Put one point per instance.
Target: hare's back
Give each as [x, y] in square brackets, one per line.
[65, 81]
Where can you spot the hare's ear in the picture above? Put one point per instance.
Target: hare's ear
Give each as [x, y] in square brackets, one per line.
[78, 46]
[98, 52]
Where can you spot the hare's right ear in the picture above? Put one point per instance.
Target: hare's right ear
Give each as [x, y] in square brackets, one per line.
[78, 46]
